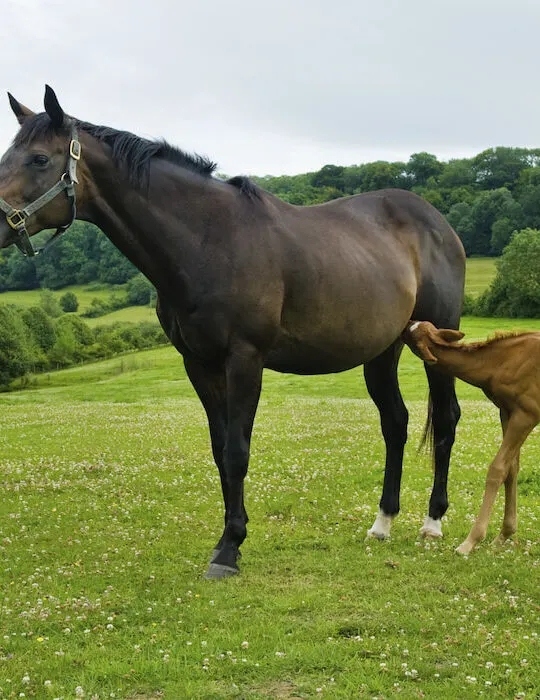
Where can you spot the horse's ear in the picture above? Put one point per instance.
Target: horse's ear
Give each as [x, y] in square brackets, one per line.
[21, 112]
[449, 335]
[52, 107]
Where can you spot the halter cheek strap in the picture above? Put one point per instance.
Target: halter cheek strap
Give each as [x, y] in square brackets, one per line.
[16, 218]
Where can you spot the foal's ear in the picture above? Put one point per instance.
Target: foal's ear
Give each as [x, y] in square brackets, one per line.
[52, 107]
[424, 353]
[449, 335]
[21, 112]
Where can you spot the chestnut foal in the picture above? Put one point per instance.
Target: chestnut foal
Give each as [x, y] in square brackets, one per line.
[507, 369]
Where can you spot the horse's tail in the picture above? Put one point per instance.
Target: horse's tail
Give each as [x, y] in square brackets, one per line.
[428, 438]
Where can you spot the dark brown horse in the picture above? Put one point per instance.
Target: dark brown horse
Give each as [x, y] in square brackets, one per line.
[246, 281]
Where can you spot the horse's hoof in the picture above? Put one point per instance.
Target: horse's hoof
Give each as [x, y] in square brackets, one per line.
[431, 529]
[219, 571]
[380, 530]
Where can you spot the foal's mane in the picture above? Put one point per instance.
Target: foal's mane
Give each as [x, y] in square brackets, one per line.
[496, 337]
[132, 154]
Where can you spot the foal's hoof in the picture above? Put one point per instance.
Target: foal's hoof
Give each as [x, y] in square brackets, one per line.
[465, 548]
[219, 571]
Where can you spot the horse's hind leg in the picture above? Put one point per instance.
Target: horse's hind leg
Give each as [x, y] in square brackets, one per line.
[382, 384]
[445, 414]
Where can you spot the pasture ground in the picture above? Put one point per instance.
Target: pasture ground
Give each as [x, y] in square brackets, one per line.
[111, 506]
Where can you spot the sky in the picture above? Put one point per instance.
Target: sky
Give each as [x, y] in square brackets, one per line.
[284, 86]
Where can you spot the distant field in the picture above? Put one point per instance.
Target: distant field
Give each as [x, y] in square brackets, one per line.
[84, 293]
[480, 272]
[131, 314]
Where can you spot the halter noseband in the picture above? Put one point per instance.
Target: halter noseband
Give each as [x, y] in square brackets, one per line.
[16, 218]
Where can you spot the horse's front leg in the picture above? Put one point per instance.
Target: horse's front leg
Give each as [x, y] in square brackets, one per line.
[382, 383]
[210, 383]
[243, 371]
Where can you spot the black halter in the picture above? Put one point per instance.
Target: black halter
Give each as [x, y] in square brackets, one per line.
[16, 218]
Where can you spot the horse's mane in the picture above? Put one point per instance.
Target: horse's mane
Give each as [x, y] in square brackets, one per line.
[132, 154]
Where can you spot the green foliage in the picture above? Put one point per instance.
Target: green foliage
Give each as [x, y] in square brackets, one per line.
[17, 350]
[69, 302]
[422, 167]
[49, 303]
[41, 326]
[139, 290]
[515, 291]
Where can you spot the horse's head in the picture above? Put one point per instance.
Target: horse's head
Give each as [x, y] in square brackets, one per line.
[38, 174]
[422, 337]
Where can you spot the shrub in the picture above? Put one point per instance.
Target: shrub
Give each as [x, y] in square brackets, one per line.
[69, 302]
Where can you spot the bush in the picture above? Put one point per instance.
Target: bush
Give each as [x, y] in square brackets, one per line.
[18, 351]
[139, 290]
[69, 302]
[49, 303]
[515, 291]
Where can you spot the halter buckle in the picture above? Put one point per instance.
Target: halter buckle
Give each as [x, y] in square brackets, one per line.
[15, 219]
[75, 149]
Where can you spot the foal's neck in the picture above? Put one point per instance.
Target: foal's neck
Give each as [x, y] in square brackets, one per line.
[468, 365]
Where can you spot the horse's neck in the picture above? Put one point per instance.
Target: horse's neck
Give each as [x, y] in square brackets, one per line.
[162, 231]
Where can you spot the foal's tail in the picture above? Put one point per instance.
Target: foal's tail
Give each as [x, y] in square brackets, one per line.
[428, 438]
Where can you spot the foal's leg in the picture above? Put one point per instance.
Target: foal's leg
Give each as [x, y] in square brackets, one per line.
[382, 384]
[519, 426]
[445, 416]
[244, 377]
[509, 525]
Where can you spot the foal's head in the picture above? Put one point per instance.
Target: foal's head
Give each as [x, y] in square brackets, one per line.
[35, 162]
[423, 339]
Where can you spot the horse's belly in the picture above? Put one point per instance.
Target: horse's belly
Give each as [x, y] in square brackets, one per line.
[295, 357]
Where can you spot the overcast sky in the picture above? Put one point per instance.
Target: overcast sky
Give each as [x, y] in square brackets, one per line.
[284, 86]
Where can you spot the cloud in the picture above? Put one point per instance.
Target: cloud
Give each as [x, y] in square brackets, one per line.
[285, 86]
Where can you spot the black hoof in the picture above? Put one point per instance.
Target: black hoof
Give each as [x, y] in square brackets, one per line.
[219, 571]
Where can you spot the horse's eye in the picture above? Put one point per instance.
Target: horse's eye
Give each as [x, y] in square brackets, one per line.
[40, 160]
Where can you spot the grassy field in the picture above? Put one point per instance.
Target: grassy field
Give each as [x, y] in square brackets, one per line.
[111, 506]
[480, 272]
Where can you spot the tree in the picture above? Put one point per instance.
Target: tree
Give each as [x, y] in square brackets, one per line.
[41, 326]
[501, 166]
[17, 349]
[329, 176]
[69, 302]
[515, 291]
[49, 303]
[422, 166]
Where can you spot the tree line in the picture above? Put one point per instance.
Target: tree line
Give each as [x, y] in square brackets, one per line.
[42, 337]
[485, 198]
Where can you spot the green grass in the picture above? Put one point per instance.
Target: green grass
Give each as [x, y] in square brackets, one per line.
[480, 272]
[111, 506]
[84, 293]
